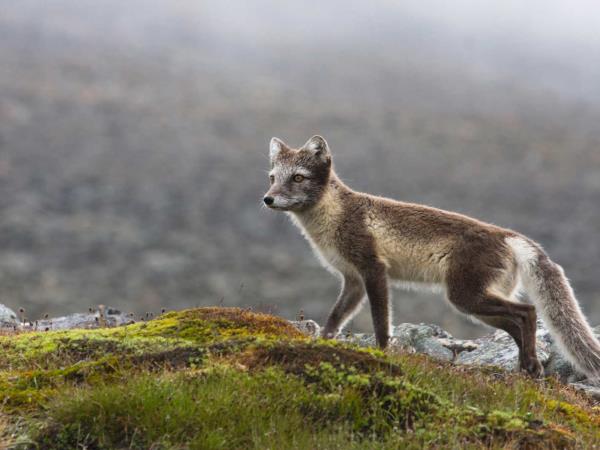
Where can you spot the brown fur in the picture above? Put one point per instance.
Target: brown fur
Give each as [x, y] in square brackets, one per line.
[370, 240]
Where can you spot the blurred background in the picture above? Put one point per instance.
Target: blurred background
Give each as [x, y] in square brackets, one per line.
[134, 135]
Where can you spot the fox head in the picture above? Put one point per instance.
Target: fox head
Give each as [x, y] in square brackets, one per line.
[298, 176]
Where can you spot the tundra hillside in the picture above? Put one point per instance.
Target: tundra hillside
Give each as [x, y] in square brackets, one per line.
[229, 378]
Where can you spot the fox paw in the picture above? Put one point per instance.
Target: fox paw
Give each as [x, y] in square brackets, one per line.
[532, 367]
[327, 334]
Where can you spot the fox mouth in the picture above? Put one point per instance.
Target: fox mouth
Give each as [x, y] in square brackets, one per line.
[286, 206]
[283, 207]
[278, 208]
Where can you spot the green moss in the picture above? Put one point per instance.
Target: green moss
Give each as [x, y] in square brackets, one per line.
[373, 404]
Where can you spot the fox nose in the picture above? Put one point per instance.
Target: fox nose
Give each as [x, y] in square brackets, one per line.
[268, 200]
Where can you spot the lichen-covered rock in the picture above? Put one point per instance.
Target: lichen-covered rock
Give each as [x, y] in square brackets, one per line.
[499, 349]
[429, 339]
[309, 327]
[559, 366]
[104, 317]
[422, 329]
[423, 338]
[592, 391]
[458, 345]
[362, 339]
[8, 318]
[495, 349]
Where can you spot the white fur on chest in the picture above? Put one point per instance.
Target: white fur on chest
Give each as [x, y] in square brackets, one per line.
[319, 230]
[330, 258]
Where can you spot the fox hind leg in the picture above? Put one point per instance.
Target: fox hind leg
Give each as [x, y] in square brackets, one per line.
[523, 337]
[469, 293]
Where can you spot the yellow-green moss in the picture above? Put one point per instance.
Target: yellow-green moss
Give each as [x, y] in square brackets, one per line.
[573, 412]
[202, 326]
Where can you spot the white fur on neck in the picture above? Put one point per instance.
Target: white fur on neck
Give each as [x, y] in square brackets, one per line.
[318, 225]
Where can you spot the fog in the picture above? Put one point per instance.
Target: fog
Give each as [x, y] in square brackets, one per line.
[133, 141]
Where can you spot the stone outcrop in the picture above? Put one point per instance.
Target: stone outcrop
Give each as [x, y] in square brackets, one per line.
[494, 349]
[8, 318]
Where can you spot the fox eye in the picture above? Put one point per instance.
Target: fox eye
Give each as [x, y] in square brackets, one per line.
[298, 178]
[272, 178]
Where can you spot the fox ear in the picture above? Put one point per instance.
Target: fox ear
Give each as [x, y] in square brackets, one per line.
[275, 147]
[318, 146]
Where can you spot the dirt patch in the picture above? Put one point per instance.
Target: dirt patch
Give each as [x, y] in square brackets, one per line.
[293, 357]
[173, 359]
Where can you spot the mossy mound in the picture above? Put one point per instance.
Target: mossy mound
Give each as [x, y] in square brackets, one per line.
[294, 357]
[34, 364]
[230, 378]
[205, 326]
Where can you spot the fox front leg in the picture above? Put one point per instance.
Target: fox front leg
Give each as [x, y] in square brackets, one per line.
[376, 284]
[346, 306]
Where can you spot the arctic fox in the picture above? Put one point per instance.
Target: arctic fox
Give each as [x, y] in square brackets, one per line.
[370, 241]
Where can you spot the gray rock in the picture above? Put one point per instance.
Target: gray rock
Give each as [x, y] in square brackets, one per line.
[592, 391]
[558, 365]
[309, 327]
[499, 349]
[8, 318]
[362, 339]
[458, 345]
[413, 331]
[423, 338]
[110, 317]
[433, 347]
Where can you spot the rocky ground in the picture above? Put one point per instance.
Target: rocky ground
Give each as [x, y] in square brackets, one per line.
[495, 349]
